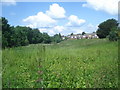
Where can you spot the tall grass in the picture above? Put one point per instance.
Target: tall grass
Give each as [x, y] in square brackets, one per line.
[70, 64]
[21, 66]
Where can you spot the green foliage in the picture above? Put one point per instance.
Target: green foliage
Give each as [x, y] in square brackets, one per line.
[113, 35]
[21, 35]
[83, 33]
[5, 32]
[21, 66]
[4, 42]
[57, 38]
[71, 34]
[46, 38]
[36, 36]
[81, 63]
[105, 27]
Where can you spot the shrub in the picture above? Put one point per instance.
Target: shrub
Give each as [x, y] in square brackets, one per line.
[113, 36]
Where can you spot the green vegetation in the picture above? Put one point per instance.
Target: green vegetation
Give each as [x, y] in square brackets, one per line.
[83, 33]
[114, 34]
[81, 63]
[22, 36]
[108, 28]
[20, 66]
[57, 38]
[38, 62]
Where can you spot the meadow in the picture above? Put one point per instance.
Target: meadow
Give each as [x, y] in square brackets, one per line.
[85, 63]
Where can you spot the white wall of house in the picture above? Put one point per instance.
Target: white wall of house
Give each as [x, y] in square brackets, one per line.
[71, 36]
[88, 36]
[63, 38]
[75, 36]
[83, 36]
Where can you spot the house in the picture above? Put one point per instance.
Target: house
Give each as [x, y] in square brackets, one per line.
[80, 36]
[63, 37]
[91, 35]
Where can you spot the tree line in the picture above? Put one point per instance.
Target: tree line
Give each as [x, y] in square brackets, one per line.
[22, 36]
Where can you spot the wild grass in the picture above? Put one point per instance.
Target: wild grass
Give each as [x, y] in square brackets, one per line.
[70, 64]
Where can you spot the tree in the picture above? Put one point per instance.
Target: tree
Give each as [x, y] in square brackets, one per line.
[57, 38]
[83, 33]
[46, 38]
[35, 36]
[118, 32]
[71, 34]
[6, 31]
[20, 36]
[12, 37]
[113, 35]
[105, 27]
[4, 42]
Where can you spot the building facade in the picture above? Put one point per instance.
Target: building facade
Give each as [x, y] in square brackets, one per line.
[79, 36]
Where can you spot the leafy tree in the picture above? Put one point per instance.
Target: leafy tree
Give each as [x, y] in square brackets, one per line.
[113, 35]
[4, 42]
[118, 32]
[20, 36]
[71, 34]
[46, 38]
[12, 38]
[105, 27]
[83, 33]
[30, 35]
[35, 36]
[57, 38]
[6, 31]
[5, 25]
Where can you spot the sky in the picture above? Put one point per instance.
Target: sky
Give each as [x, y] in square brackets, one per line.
[60, 17]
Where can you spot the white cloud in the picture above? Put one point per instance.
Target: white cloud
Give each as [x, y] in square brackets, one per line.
[75, 30]
[109, 6]
[43, 30]
[46, 22]
[78, 31]
[8, 2]
[32, 26]
[90, 25]
[53, 30]
[56, 11]
[92, 28]
[50, 31]
[59, 28]
[46, 19]
[74, 21]
[39, 20]
[89, 28]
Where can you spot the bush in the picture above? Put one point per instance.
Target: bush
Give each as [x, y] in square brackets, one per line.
[113, 36]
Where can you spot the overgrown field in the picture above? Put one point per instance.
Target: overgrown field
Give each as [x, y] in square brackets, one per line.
[70, 64]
